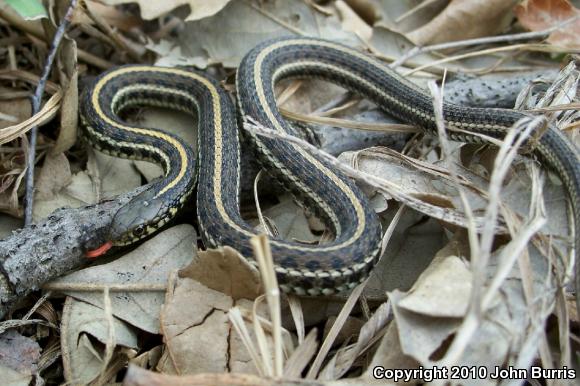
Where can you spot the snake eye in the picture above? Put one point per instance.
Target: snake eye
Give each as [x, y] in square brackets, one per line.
[139, 230]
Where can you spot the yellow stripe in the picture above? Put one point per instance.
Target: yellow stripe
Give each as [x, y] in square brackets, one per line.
[360, 226]
[218, 153]
[180, 149]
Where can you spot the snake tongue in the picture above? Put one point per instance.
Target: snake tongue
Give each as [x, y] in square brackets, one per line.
[93, 254]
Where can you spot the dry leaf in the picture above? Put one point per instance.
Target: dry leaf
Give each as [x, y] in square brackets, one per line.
[426, 317]
[54, 175]
[442, 290]
[427, 181]
[405, 16]
[243, 24]
[67, 135]
[18, 353]
[153, 9]
[368, 10]
[389, 354]
[465, 19]
[14, 111]
[420, 335]
[352, 22]
[290, 220]
[171, 55]
[82, 359]
[196, 329]
[226, 271]
[537, 15]
[148, 266]
[410, 250]
[12, 377]
[9, 224]
[114, 16]
[111, 176]
[57, 188]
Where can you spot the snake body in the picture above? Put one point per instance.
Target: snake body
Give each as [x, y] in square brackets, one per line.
[301, 268]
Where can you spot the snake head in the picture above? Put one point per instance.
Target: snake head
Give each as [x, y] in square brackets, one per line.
[137, 219]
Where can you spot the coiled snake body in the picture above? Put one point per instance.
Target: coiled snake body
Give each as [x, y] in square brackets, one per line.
[301, 268]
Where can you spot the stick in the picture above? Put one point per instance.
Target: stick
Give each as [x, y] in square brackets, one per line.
[36, 101]
[41, 252]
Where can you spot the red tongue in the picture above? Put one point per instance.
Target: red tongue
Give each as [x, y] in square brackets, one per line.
[99, 251]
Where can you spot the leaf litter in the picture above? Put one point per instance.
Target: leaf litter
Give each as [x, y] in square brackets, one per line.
[453, 298]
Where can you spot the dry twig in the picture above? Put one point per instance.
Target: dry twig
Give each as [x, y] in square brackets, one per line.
[36, 102]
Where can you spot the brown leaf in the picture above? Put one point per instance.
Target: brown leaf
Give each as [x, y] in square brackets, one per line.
[465, 19]
[196, 329]
[225, 270]
[14, 111]
[19, 353]
[537, 15]
[83, 356]
[154, 9]
[114, 16]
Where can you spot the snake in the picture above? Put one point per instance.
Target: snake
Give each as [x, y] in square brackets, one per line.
[301, 268]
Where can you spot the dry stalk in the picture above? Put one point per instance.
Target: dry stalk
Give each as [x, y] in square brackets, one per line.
[237, 321]
[486, 40]
[523, 47]
[390, 188]
[263, 255]
[334, 330]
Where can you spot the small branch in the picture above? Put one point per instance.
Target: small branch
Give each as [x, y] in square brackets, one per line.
[115, 37]
[30, 28]
[41, 252]
[486, 40]
[36, 102]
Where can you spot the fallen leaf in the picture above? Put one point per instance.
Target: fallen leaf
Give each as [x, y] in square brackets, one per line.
[67, 62]
[243, 24]
[196, 329]
[420, 335]
[226, 271]
[82, 358]
[423, 179]
[290, 220]
[14, 111]
[465, 19]
[53, 177]
[114, 16]
[114, 176]
[19, 353]
[442, 290]
[389, 354]
[9, 224]
[169, 54]
[405, 16]
[14, 378]
[153, 9]
[148, 266]
[352, 22]
[411, 249]
[537, 15]
[57, 188]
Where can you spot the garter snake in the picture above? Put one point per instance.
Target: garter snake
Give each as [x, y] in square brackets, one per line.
[301, 268]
